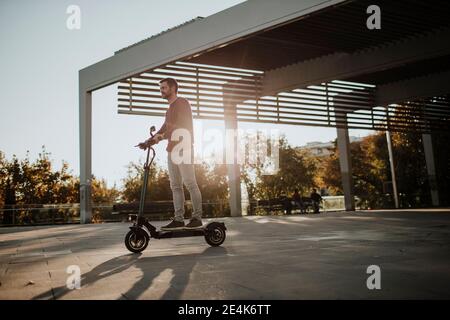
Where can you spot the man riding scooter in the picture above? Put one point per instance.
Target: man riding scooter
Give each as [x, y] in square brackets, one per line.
[178, 116]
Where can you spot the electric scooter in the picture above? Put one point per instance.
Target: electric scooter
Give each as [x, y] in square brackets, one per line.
[142, 230]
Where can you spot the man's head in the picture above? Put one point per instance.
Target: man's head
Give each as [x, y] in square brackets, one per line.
[314, 190]
[168, 87]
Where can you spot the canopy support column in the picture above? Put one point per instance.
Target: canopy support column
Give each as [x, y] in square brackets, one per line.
[343, 143]
[85, 155]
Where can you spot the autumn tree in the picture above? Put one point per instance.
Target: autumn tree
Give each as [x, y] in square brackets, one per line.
[35, 183]
[211, 179]
[296, 170]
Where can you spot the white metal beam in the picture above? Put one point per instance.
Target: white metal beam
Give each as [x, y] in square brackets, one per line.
[233, 169]
[199, 36]
[85, 113]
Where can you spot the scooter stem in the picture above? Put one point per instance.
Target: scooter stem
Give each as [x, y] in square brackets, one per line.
[145, 180]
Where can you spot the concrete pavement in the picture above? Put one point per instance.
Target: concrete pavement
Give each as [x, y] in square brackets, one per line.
[322, 256]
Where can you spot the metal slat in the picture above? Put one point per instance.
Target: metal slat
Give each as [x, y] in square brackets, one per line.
[329, 104]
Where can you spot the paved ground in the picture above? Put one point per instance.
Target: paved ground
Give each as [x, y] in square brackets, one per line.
[276, 257]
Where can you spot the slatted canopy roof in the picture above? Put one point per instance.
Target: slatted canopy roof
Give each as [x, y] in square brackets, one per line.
[288, 73]
[338, 28]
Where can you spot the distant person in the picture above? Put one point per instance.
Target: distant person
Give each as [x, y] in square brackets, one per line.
[316, 198]
[286, 204]
[297, 198]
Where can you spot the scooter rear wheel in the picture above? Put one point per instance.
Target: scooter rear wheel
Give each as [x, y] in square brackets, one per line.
[215, 237]
[136, 242]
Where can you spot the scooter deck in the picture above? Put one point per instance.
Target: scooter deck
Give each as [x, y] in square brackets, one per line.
[179, 233]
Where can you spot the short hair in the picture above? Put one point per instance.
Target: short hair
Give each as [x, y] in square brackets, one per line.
[171, 82]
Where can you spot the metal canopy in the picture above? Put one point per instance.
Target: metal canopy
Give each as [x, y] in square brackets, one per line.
[216, 91]
[293, 72]
[290, 47]
[340, 28]
[201, 35]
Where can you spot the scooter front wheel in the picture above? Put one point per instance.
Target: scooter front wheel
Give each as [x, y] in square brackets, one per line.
[136, 241]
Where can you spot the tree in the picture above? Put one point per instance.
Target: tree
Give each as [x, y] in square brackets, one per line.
[371, 170]
[157, 187]
[26, 183]
[296, 171]
[211, 180]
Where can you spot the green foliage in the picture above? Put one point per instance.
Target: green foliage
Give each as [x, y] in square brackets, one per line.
[211, 180]
[24, 183]
[371, 170]
[296, 171]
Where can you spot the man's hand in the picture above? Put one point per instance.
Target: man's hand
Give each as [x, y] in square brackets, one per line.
[149, 142]
[158, 137]
[142, 145]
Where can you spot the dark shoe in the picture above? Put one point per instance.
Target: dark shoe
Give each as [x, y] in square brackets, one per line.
[194, 223]
[174, 225]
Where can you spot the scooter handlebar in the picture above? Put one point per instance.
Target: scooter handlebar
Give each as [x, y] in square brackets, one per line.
[152, 141]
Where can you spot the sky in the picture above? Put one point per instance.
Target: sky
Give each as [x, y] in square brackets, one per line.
[39, 61]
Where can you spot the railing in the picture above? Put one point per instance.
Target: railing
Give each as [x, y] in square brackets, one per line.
[163, 210]
[45, 214]
[40, 214]
[333, 203]
[277, 206]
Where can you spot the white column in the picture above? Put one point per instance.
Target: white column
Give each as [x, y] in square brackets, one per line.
[343, 143]
[85, 155]
[431, 168]
[233, 169]
[392, 165]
